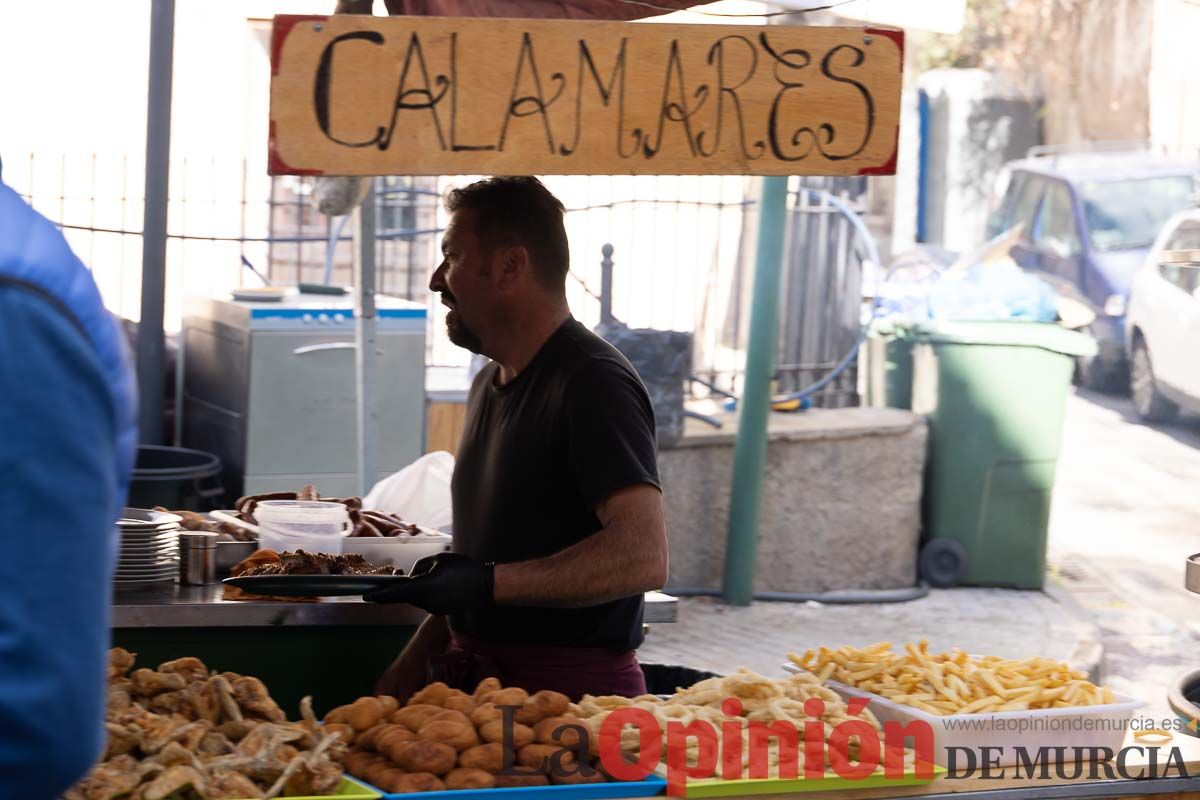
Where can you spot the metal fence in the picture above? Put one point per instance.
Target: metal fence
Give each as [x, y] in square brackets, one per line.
[822, 290]
[680, 251]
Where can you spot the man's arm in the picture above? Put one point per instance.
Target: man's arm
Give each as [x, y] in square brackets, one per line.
[407, 674]
[626, 557]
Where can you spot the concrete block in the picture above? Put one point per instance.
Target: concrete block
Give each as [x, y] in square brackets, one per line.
[841, 501]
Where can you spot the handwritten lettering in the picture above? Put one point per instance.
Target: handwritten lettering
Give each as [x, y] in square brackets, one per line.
[325, 77]
[606, 93]
[733, 96]
[529, 104]
[404, 96]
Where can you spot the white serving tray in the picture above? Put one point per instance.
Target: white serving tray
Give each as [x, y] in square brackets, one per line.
[1006, 730]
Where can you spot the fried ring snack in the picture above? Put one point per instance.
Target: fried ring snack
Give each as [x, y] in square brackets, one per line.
[486, 685]
[375, 772]
[541, 705]
[447, 715]
[514, 696]
[365, 712]
[485, 713]
[389, 703]
[391, 735]
[415, 716]
[339, 714]
[459, 735]
[356, 763]
[417, 782]
[487, 757]
[366, 739]
[346, 733]
[468, 778]
[433, 757]
[494, 732]
[459, 701]
[434, 694]
[538, 756]
[566, 728]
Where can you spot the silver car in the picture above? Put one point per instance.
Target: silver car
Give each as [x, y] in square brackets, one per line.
[1163, 323]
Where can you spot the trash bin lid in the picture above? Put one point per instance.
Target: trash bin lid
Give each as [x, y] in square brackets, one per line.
[1008, 333]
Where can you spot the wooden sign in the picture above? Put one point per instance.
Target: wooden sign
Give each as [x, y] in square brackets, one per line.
[362, 95]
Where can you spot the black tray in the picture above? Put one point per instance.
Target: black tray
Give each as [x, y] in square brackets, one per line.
[312, 585]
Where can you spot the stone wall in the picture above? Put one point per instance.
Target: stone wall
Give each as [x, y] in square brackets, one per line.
[841, 501]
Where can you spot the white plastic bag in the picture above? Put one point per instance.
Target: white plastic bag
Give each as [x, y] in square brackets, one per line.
[419, 493]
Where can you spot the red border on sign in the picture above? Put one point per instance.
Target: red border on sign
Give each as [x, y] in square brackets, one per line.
[280, 29]
[888, 167]
[275, 163]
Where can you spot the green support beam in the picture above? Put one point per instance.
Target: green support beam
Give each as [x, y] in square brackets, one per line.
[750, 450]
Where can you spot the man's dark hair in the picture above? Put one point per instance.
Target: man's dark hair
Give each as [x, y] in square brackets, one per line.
[519, 210]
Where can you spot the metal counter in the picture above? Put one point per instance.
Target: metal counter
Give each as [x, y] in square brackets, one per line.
[175, 606]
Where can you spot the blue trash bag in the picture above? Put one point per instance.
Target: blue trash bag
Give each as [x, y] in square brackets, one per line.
[992, 291]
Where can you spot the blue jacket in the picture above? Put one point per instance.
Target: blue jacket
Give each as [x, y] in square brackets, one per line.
[67, 444]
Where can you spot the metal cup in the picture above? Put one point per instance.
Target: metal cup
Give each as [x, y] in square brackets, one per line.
[197, 558]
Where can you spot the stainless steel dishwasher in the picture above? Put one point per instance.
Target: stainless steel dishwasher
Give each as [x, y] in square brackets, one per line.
[269, 387]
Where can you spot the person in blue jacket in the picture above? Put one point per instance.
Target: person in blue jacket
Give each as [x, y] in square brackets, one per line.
[67, 444]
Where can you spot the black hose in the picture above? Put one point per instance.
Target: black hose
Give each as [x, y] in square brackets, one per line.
[836, 598]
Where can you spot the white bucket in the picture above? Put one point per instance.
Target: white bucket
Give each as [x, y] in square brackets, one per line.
[310, 525]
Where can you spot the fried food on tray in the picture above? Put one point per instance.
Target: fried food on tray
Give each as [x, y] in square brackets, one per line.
[425, 756]
[762, 700]
[300, 562]
[467, 778]
[184, 731]
[434, 694]
[364, 522]
[414, 716]
[954, 682]
[120, 661]
[541, 705]
[561, 730]
[487, 757]
[458, 734]
[522, 778]
[442, 739]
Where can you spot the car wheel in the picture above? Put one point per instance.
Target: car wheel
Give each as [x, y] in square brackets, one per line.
[1101, 376]
[1148, 402]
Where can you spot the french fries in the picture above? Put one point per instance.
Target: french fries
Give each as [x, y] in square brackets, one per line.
[954, 683]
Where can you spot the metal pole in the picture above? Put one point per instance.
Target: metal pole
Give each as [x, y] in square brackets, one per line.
[365, 360]
[150, 347]
[606, 278]
[750, 450]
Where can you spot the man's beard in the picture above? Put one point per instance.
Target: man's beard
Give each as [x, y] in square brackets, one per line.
[461, 335]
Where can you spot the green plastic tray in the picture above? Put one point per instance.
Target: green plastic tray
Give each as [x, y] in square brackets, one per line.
[350, 789]
[832, 782]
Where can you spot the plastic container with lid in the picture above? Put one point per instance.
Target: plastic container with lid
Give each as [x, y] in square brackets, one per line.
[311, 525]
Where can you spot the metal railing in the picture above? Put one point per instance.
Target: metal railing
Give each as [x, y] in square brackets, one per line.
[679, 249]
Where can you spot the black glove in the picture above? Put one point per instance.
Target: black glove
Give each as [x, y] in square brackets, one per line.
[446, 583]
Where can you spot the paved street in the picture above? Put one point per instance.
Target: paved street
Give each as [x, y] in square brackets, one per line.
[1126, 514]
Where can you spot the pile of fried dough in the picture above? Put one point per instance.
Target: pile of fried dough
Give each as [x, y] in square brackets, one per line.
[447, 739]
[182, 731]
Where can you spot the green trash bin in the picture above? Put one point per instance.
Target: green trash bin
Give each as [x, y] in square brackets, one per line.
[995, 394]
[889, 365]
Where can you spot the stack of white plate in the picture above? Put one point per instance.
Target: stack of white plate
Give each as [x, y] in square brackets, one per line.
[149, 548]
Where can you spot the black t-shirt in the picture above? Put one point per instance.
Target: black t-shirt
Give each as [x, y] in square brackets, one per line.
[538, 454]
